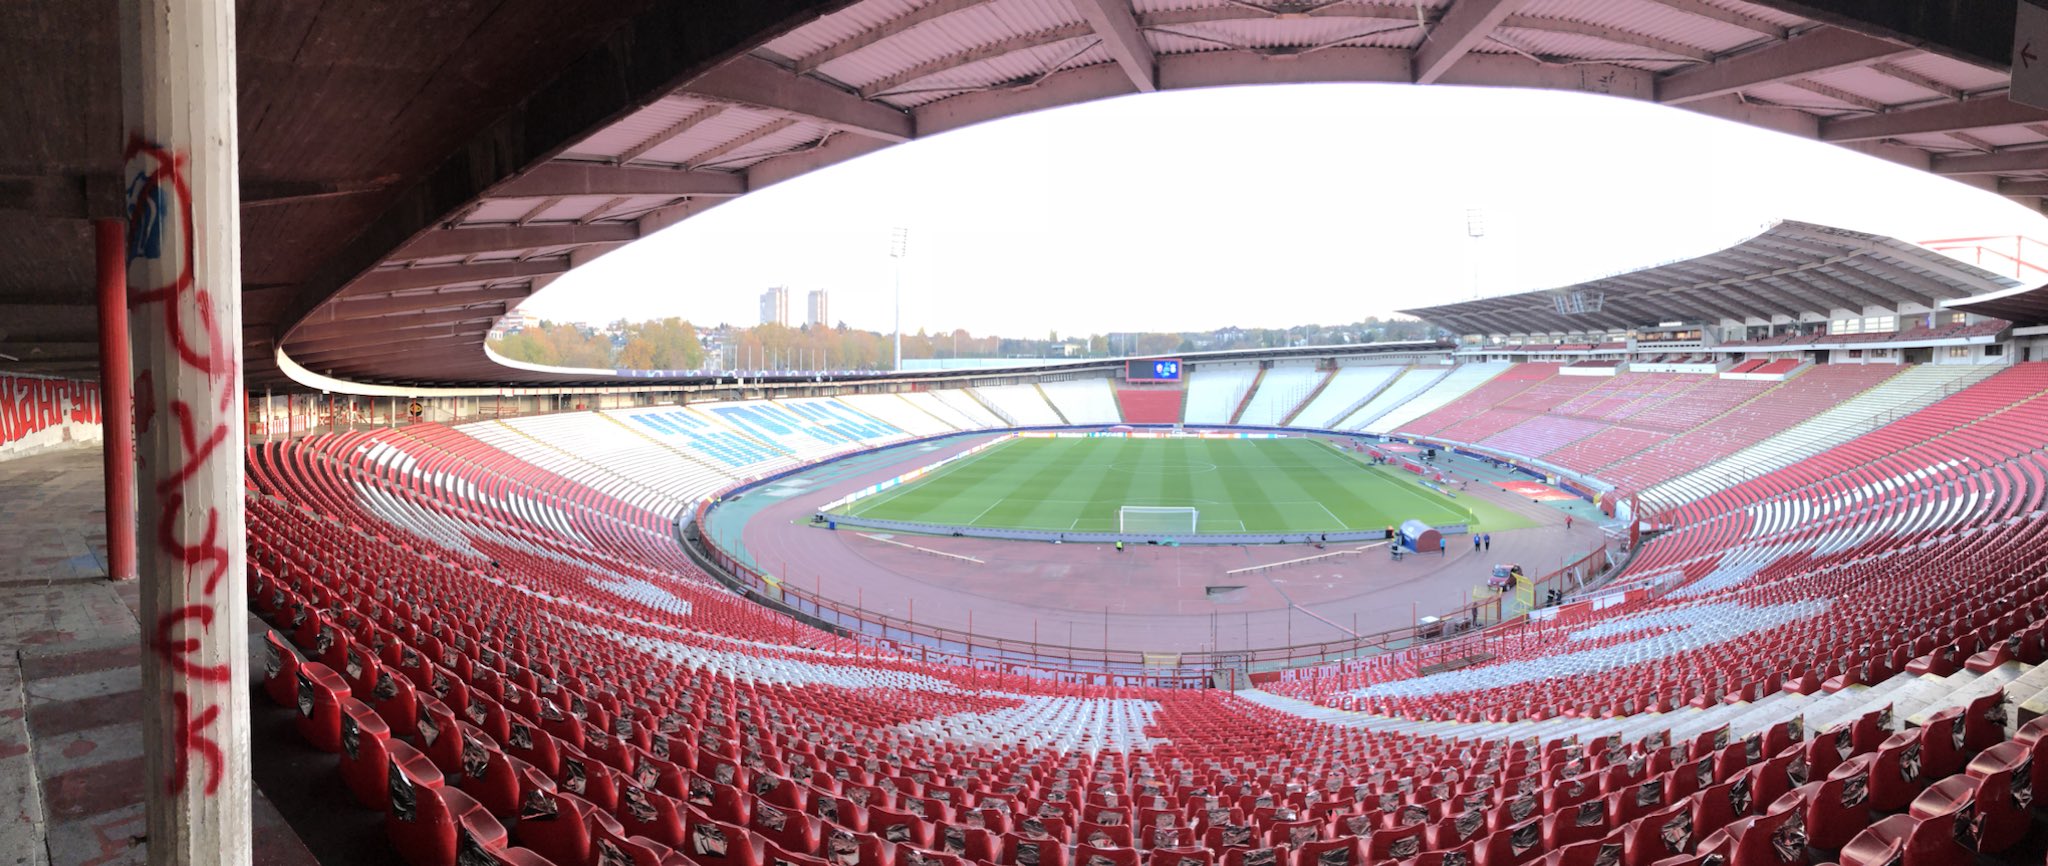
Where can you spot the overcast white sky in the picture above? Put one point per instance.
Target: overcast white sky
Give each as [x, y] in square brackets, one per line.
[1260, 207]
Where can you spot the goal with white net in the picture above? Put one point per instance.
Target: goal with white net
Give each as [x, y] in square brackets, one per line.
[1155, 520]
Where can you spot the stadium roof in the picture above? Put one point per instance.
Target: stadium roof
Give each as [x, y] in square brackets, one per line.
[1793, 271]
[412, 172]
[2025, 306]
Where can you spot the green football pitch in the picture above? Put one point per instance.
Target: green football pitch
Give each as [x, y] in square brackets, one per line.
[1236, 485]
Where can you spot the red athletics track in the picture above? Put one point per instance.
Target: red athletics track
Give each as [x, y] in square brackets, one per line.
[1150, 599]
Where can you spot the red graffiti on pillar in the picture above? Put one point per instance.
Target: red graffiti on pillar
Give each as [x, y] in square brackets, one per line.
[160, 233]
[192, 738]
[177, 652]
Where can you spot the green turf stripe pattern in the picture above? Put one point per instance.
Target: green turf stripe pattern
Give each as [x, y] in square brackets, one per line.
[1238, 485]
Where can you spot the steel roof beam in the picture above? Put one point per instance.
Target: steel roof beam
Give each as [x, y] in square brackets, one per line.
[1112, 20]
[2002, 162]
[1969, 114]
[1971, 283]
[1705, 270]
[1742, 295]
[750, 80]
[711, 156]
[695, 119]
[1885, 270]
[344, 342]
[1618, 36]
[1209, 14]
[1758, 261]
[1815, 52]
[407, 343]
[401, 279]
[1715, 308]
[384, 326]
[1632, 309]
[1829, 300]
[648, 56]
[977, 54]
[893, 27]
[2008, 186]
[1701, 9]
[1805, 293]
[1467, 24]
[1866, 298]
[1811, 299]
[500, 238]
[1779, 252]
[358, 308]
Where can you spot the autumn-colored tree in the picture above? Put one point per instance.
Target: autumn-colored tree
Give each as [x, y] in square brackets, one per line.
[662, 344]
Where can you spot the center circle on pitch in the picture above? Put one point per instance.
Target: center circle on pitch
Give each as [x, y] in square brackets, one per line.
[1163, 467]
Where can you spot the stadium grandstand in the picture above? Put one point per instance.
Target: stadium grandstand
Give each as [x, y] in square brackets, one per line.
[299, 573]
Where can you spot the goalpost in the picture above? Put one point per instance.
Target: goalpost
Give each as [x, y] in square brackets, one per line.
[1156, 520]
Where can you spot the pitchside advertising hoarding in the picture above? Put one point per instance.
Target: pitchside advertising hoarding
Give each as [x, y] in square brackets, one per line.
[1153, 370]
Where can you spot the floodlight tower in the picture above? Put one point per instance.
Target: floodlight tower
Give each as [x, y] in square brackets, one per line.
[899, 246]
[1475, 228]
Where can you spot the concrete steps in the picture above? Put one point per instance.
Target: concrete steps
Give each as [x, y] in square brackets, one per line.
[2029, 693]
[1851, 703]
[1912, 699]
[1970, 689]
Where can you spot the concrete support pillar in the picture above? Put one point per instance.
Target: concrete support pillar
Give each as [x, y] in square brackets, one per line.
[185, 321]
[117, 397]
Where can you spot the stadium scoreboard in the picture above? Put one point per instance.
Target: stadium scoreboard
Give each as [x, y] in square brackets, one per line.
[1153, 370]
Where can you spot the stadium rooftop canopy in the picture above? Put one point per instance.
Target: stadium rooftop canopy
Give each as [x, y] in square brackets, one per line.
[409, 174]
[1793, 271]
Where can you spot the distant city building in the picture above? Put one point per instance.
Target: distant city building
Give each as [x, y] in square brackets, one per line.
[775, 306]
[512, 323]
[818, 312]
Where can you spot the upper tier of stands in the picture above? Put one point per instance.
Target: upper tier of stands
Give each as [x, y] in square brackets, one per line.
[1020, 405]
[1404, 388]
[1439, 394]
[1214, 391]
[671, 456]
[1345, 393]
[898, 411]
[1283, 389]
[964, 405]
[1084, 401]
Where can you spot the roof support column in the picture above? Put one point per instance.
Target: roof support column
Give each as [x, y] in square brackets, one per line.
[117, 396]
[185, 325]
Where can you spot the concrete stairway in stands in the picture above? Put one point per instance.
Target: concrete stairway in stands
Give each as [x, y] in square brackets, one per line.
[1912, 699]
[1246, 400]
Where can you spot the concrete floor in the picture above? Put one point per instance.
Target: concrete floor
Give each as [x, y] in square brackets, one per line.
[70, 682]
